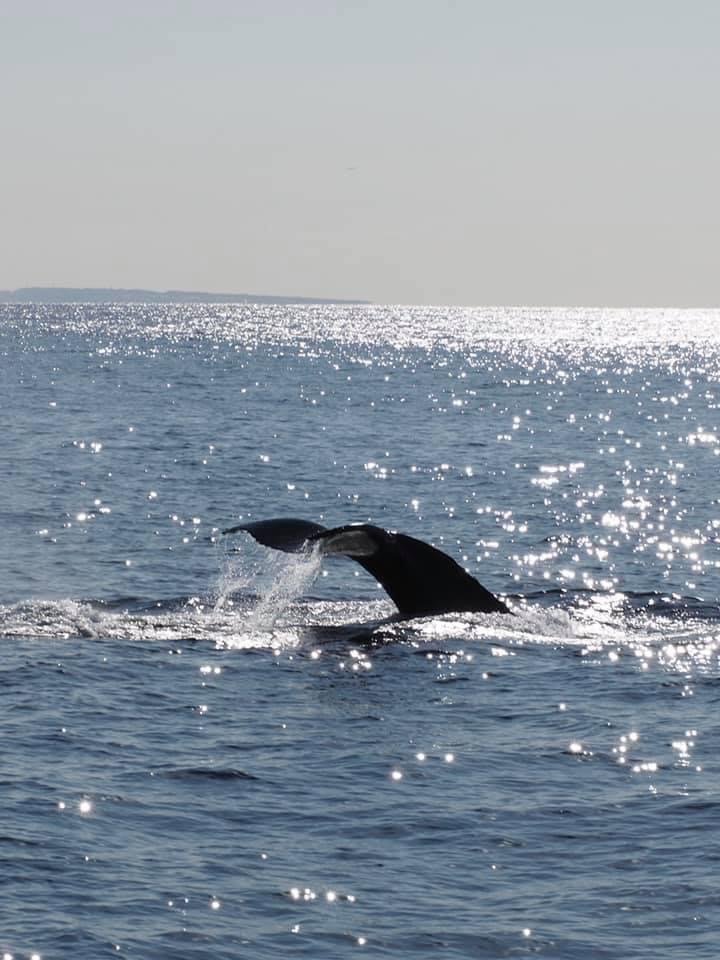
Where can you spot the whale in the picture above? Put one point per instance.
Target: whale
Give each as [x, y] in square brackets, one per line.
[420, 579]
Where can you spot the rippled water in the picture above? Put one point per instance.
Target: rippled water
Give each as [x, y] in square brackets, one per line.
[210, 750]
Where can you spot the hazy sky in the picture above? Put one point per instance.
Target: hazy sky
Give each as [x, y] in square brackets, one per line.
[557, 152]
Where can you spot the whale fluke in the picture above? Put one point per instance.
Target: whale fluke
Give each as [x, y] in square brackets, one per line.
[420, 579]
[284, 533]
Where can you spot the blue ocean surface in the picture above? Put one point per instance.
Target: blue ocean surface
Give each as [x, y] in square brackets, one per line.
[212, 750]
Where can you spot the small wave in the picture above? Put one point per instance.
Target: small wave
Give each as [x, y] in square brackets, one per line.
[205, 773]
[654, 602]
[18, 841]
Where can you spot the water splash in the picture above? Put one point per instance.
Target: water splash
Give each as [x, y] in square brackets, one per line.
[238, 574]
[294, 575]
[275, 579]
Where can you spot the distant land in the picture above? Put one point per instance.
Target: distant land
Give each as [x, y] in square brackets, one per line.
[110, 295]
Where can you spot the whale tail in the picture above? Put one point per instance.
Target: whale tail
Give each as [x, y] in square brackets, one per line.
[420, 579]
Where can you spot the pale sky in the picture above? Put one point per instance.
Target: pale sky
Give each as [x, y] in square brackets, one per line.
[479, 152]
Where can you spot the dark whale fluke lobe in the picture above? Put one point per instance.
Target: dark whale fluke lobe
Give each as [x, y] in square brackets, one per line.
[420, 579]
[284, 533]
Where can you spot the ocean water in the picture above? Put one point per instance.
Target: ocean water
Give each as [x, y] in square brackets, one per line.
[207, 751]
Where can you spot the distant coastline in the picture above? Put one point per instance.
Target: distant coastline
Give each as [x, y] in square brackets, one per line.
[121, 295]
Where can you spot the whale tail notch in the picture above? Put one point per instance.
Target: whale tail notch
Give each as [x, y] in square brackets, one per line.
[420, 579]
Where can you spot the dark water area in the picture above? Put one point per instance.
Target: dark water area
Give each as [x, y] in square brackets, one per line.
[213, 750]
